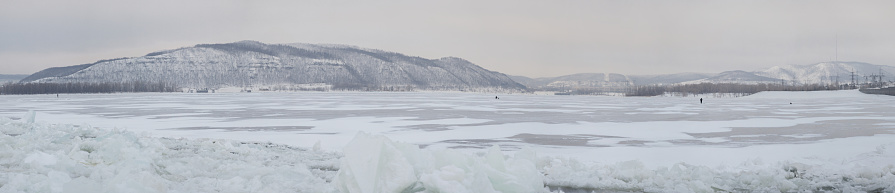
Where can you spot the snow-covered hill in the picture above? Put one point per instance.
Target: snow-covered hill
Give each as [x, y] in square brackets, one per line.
[819, 73]
[826, 72]
[600, 80]
[668, 78]
[736, 76]
[575, 80]
[251, 63]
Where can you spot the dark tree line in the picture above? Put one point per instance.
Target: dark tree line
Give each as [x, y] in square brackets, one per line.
[592, 90]
[707, 88]
[85, 87]
[369, 87]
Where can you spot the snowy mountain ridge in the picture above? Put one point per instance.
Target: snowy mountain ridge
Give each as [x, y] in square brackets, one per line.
[736, 76]
[580, 78]
[252, 63]
[819, 73]
[826, 72]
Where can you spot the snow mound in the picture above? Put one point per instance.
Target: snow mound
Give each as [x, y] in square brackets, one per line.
[67, 158]
[376, 164]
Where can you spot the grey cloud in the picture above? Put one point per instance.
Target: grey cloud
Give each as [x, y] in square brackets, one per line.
[532, 38]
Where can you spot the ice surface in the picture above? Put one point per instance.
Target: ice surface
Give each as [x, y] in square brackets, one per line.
[374, 163]
[29, 118]
[868, 172]
[66, 158]
[823, 141]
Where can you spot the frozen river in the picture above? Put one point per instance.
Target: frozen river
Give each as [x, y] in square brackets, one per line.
[660, 131]
[770, 141]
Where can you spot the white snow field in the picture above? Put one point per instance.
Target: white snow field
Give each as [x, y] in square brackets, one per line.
[831, 141]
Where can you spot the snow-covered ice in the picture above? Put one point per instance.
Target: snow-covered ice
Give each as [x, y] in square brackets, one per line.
[69, 158]
[376, 164]
[447, 142]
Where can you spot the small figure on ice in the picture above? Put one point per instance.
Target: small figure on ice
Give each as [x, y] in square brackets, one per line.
[700, 100]
[495, 97]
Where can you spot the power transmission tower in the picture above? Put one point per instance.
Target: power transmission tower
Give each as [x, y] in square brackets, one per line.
[834, 78]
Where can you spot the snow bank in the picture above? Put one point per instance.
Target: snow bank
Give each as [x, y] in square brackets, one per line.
[376, 164]
[66, 158]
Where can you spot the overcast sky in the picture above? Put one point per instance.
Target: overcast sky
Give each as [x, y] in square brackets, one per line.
[520, 37]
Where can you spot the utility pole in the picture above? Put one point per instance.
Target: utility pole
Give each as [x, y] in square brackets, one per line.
[853, 77]
[836, 75]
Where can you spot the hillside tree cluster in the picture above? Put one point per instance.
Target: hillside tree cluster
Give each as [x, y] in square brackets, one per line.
[85, 87]
[710, 88]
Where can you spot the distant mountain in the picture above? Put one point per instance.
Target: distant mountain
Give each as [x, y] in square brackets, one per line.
[607, 80]
[668, 78]
[4, 78]
[528, 82]
[251, 63]
[573, 79]
[826, 72]
[819, 73]
[736, 76]
[594, 82]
